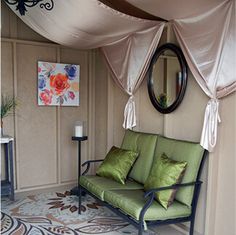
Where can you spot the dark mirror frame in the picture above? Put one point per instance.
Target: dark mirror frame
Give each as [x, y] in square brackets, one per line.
[184, 72]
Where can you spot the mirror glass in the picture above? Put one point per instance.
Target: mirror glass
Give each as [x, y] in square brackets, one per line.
[167, 78]
[166, 74]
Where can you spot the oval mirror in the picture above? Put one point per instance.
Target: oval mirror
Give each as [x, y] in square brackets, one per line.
[167, 78]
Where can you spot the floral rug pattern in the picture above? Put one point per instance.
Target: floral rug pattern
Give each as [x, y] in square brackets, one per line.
[57, 214]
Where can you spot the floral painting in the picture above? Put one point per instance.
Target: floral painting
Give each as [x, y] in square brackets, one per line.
[58, 84]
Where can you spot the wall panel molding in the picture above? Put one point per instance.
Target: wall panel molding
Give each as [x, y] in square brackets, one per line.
[16, 147]
[49, 186]
[88, 60]
[29, 42]
[91, 106]
[110, 112]
[58, 137]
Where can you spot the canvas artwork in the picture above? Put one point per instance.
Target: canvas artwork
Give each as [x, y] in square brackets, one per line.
[58, 84]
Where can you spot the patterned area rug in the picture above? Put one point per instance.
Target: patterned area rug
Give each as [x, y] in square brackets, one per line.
[57, 213]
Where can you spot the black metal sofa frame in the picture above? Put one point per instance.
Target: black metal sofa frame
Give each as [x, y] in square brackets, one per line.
[151, 195]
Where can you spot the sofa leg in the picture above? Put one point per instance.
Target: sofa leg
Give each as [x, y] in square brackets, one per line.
[140, 230]
[191, 231]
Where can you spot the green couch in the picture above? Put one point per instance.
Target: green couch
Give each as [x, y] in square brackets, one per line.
[131, 201]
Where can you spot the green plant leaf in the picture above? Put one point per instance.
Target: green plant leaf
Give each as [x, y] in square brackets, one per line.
[8, 104]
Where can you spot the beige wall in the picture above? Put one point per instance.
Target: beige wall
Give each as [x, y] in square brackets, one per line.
[216, 208]
[45, 156]
[102, 105]
[221, 206]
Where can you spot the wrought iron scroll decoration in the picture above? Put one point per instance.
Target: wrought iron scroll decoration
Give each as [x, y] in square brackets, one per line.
[21, 5]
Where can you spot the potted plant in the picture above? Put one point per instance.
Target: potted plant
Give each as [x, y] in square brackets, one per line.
[8, 103]
[162, 99]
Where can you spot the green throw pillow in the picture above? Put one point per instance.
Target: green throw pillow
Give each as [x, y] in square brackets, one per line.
[117, 164]
[165, 172]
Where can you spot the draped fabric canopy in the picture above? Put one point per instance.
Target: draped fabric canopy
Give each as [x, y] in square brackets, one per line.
[211, 56]
[125, 59]
[205, 30]
[82, 24]
[127, 42]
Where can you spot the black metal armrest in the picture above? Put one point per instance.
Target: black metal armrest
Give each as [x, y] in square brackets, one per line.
[87, 164]
[92, 161]
[151, 194]
[174, 186]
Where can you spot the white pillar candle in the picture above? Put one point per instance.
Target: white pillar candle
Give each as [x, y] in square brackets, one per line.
[78, 131]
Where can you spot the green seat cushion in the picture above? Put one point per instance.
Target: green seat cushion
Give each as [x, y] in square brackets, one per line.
[98, 185]
[117, 164]
[165, 172]
[189, 152]
[144, 144]
[131, 203]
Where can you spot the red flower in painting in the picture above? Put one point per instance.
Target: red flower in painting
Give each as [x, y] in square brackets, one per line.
[59, 82]
[46, 97]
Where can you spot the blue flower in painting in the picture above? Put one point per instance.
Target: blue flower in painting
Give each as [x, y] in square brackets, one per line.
[41, 82]
[71, 71]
